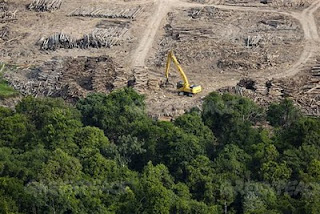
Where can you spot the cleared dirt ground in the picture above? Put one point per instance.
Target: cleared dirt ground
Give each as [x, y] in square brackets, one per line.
[218, 43]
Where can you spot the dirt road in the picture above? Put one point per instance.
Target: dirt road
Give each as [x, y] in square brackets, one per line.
[311, 36]
[305, 17]
[146, 42]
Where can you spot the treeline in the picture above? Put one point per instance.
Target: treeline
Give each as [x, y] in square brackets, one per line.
[105, 155]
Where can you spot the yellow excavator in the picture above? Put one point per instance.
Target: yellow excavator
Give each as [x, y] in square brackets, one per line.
[184, 88]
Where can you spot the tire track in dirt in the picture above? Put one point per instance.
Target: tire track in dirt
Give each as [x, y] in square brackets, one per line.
[145, 44]
[305, 18]
[311, 37]
[307, 22]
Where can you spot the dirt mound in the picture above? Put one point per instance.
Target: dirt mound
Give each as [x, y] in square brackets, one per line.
[70, 78]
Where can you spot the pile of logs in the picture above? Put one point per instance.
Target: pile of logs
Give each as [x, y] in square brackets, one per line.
[185, 33]
[68, 77]
[253, 41]
[46, 83]
[102, 38]
[208, 12]
[292, 3]
[45, 5]
[303, 90]
[204, 1]
[315, 71]
[4, 33]
[7, 15]
[107, 13]
[58, 40]
[97, 39]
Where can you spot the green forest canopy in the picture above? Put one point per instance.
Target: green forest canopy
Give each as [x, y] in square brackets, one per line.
[105, 155]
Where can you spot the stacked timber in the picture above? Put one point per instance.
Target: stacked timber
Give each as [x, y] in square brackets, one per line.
[46, 84]
[45, 5]
[315, 71]
[97, 39]
[102, 38]
[291, 3]
[58, 40]
[253, 41]
[68, 77]
[107, 13]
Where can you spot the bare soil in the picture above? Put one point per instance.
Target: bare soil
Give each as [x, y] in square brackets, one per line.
[218, 43]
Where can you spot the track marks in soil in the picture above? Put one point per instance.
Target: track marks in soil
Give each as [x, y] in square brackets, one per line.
[306, 19]
[146, 42]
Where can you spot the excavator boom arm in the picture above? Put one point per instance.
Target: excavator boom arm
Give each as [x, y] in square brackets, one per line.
[168, 67]
[172, 57]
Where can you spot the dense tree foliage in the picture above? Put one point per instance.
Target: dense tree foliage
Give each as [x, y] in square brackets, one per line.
[105, 155]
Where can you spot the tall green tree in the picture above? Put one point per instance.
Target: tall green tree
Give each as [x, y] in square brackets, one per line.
[273, 172]
[259, 198]
[192, 123]
[305, 131]
[61, 167]
[234, 162]
[176, 149]
[231, 117]
[14, 131]
[155, 190]
[283, 113]
[113, 113]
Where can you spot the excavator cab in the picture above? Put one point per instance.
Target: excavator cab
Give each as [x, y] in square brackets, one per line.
[184, 88]
[194, 89]
[179, 85]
